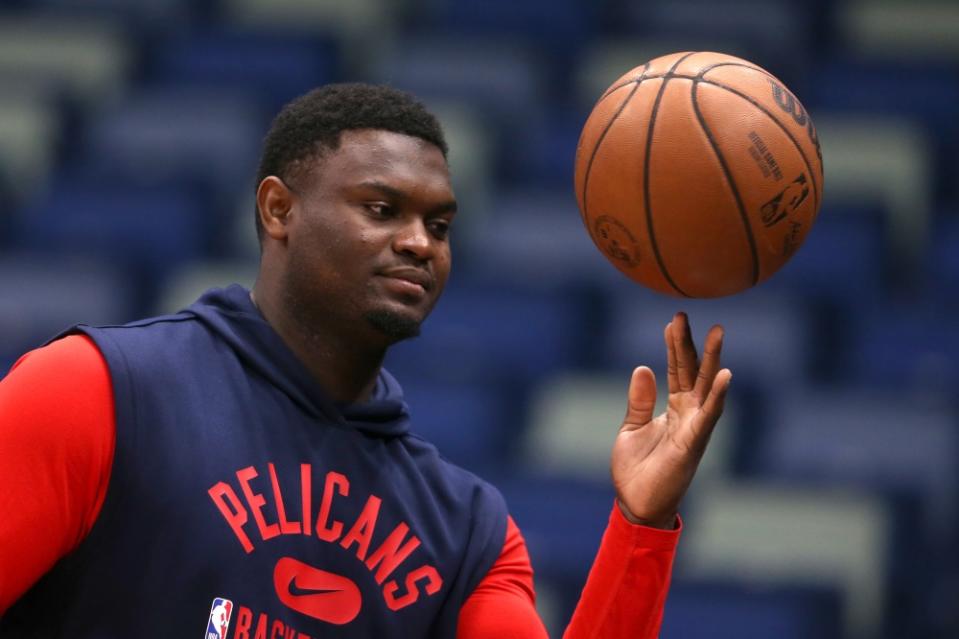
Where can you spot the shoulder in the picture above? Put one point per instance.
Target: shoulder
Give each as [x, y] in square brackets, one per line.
[145, 344]
[61, 365]
[164, 325]
[469, 505]
[484, 497]
[57, 412]
[464, 495]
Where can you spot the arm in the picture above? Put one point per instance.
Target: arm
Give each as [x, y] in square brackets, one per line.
[627, 585]
[56, 450]
[623, 597]
[653, 462]
[503, 605]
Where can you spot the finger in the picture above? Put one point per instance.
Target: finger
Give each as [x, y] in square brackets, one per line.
[713, 406]
[710, 364]
[641, 398]
[671, 378]
[687, 362]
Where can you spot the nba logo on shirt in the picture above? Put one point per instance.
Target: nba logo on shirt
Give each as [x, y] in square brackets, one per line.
[219, 619]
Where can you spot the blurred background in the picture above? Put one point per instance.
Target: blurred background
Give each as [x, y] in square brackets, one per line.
[828, 504]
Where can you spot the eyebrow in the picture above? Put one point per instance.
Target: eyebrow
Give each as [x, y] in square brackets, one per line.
[395, 193]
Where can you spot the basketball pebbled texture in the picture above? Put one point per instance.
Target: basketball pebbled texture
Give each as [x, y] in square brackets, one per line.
[698, 174]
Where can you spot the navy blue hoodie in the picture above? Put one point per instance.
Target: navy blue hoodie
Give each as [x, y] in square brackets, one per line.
[244, 503]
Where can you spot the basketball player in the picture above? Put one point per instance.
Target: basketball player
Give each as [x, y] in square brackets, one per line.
[250, 454]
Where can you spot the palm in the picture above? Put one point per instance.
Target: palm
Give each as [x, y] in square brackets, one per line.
[654, 458]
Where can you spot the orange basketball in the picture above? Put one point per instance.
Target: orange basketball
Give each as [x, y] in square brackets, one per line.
[698, 174]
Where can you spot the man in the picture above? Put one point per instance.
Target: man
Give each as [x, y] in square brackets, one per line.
[246, 465]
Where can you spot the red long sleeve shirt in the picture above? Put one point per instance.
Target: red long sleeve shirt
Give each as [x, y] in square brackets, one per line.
[57, 437]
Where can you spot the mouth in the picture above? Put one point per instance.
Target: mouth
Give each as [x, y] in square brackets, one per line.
[410, 278]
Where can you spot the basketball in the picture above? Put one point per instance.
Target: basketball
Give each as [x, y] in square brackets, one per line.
[698, 174]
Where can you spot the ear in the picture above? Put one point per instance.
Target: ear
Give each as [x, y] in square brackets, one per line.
[274, 203]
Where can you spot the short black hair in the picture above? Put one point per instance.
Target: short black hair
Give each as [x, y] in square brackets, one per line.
[311, 125]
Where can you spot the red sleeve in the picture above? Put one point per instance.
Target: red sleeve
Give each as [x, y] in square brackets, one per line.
[503, 606]
[624, 594]
[627, 585]
[57, 433]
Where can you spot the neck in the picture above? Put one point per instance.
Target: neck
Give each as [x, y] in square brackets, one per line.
[345, 367]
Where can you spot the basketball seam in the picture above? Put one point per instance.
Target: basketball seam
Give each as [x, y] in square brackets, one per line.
[702, 73]
[785, 129]
[646, 191]
[610, 93]
[758, 105]
[613, 89]
[682, 76]
[729, 179]
[599, 142]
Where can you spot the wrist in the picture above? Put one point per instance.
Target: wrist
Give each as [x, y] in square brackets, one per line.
[662, 523]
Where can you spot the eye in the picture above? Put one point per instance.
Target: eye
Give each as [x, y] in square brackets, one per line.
[380, 210]
[439, 227]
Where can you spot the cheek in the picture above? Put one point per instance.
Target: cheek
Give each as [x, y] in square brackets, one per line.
[320, 264]
[336, 248]
[442, 267]
[369, 241]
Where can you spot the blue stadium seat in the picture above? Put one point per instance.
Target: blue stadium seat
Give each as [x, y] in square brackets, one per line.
[562, 521]
[792, 533]
[733, 610]
[277, 68]
[41, 295]
[184, 285]
[877, 163]
[471, 424]
[942, 261]
[536, 235]
[842, 260]
[774, 34]
[573, 419]
[500, 77]
[559, 24]
[357, 24]
[542, 151]
[145, 230]
[30, 135]
[494, 333]
[926, 91]
[769, 335]
[205, 136]
[906, 346]
[923, 91]
[920, 30]
[142, 14]
[84, 61]
[891, 441]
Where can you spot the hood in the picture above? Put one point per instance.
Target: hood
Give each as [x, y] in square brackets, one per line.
[231, 314]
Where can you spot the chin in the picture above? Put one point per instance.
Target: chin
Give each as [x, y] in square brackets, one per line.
[393, 325]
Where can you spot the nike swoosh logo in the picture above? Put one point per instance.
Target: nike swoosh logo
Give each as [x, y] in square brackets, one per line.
[316, 593]
[298, 591]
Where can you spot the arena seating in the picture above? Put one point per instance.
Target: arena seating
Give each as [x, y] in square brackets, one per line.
[828, 505]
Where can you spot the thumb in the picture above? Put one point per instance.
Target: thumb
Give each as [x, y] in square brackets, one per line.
[642, 398]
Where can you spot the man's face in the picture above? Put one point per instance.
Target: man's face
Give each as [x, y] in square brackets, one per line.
[368, 235]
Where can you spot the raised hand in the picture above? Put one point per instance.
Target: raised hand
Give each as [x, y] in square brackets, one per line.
[654, 458]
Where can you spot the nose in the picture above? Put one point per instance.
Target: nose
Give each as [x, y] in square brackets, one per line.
[414, 240]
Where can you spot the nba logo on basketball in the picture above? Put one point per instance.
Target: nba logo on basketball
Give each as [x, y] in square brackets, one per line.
[219, 619]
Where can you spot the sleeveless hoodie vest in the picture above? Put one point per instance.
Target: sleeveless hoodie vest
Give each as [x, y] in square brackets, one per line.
[244, 503]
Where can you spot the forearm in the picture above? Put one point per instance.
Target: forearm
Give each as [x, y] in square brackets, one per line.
[628, 583]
